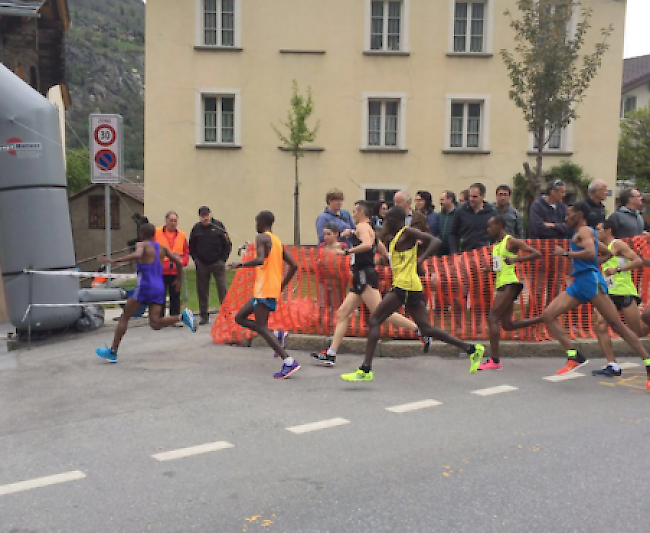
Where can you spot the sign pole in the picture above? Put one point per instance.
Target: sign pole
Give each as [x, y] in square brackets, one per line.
[107, 213]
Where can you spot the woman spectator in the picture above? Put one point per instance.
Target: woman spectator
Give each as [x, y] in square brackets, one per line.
[378, 212]
[424, 204]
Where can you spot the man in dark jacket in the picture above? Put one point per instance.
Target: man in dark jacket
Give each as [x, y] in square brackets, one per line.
[514, 222]
[596, 195]
[445, 219]
[210, 247]
[628, 218]
[469, 227]
[546, 215]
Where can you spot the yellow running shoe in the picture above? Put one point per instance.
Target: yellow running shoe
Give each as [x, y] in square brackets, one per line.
[475, 357]
[359, 375]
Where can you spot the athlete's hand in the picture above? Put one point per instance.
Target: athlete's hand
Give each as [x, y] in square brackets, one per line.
[346, 233]
[559, 251]
[233, 266]
[610, 271]
[103, 259]
[340, 252]
[509, 261]
[177, 284]
[420, 269]
[486, 268]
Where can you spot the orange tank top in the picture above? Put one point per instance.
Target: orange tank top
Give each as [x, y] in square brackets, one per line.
[268, 277]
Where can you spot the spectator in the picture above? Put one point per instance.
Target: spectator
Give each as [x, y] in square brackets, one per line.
[378, 212]
[210, 247]
[596, 195]
[413, 218]
[546, 215]
[333, 213]
[445, 219]
[463, 197]
[331, 235]
[627, 217]
[514, 221]
[170, 236]
[469, 227]
[424, 204]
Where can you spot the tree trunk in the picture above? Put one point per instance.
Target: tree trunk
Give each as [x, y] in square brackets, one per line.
[296, 208]
[538, 163]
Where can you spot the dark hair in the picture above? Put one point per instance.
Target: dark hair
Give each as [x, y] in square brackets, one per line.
[611, 224]
[365, 207]
[582, 207]
[626, 195]
[393, 221]
[499, 219]
[428, 202]
[204, 210]
[479, 186]
[554, 185]
[504, 188]
[266, 218]
[147, 231]
[465, 193]
[377, 207]
[333, 227]
[451, 195]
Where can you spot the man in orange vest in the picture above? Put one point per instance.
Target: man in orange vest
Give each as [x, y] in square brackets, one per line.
[174, 239]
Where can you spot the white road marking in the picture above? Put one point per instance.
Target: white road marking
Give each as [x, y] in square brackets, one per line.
[563, 377]
[41, 482]
[625, 366]
[192, 450]
[413, 406]
[315, 426]
[494, 390]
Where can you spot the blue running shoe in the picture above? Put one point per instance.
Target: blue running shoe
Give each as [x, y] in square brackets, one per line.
[189, 319]
[607, 371]
[107, 353]
[282, 339]
[287, 370]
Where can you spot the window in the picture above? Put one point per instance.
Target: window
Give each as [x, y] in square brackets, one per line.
[467, 123]
[219, 23]
[384, 121]
[97, 213]
[387, 25]
[628, 104]
[555, 137]
[375, 193]
[469, 27]
[219, 118]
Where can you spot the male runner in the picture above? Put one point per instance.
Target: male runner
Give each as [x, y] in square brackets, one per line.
[269, 284]
[504, 257]
[618, 275]
[407, 290]
[149, 289]
[588, 286]
[364, 283]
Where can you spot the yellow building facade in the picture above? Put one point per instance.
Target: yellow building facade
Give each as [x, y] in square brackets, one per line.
[409, 94]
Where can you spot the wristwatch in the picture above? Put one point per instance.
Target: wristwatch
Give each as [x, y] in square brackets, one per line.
[618, 269]
[565, 253]
[347, 252]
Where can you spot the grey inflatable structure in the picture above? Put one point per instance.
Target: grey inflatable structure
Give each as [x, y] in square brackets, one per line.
[35, 228]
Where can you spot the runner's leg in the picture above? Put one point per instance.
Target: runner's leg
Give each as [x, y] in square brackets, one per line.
[156, 321]
[421, 317]
[131, 308]
[604, 340]
[260, 325]
[372, 297]
[343, 313]
[501, 308]
[386, 307]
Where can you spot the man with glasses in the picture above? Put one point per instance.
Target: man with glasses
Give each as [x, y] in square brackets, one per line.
[514, 221]
[546, 215]
[596, 195]
[628, 219]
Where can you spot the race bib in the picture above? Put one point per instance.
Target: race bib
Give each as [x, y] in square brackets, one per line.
[611, 283]
[390, 260]
[352, 258]
[496, 263]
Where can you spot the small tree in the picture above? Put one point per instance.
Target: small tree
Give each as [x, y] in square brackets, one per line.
[547, 77]
[77, 170]
[634, 149]
[298, 134]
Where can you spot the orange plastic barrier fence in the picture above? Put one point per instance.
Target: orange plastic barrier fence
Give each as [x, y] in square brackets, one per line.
[458, 294]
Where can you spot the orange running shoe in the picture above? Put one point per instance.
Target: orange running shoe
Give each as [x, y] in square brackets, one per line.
[647, 384]
[571, 366]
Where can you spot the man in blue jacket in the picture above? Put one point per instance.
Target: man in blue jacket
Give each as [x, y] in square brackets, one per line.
[334, 213]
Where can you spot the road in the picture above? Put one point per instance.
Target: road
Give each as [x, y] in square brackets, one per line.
[184, 436]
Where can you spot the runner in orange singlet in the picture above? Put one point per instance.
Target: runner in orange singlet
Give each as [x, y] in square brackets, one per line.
[268, 264]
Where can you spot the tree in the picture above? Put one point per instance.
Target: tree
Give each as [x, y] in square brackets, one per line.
[634, 148]
[549, 76]
[77, 170]
[298, 134]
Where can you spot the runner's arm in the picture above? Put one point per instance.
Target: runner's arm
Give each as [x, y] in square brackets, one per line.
[174, 259]
[263, 247]
[515, 245]
[139, 251]
[621, 248]
[587, 242]
[293, 268]
[432, 243]
[365, 235]
[383, 254]
[604, 253]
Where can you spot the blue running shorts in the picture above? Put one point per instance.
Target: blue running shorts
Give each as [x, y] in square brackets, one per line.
[586, 285]
[271, 303]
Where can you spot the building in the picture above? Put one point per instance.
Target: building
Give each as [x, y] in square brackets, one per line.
[635, 92]
[408, 93]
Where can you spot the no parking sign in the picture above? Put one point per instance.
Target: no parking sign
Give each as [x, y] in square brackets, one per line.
[106, 157]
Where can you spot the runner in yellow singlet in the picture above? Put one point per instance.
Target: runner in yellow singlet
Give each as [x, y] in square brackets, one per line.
[269, 284]
[407, 290]
[507, 284]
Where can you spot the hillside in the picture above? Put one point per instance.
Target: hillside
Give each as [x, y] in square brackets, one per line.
[105, 70]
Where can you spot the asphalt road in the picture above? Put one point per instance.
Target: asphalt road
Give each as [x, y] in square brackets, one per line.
[536, 455]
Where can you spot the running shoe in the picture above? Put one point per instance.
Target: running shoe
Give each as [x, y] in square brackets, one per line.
[189, 319]
[475, 358]
[282, 339]
[359, 375]
[107, 353]
[572, 365]
[647, 384]
[287, 370]
[324, 358]
[607, 371]
[426, 343]
[490, 365]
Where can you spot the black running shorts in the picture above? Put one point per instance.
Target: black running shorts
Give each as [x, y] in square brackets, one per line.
[621, 302]
[519, 287]
[409, 298]
[362, 279]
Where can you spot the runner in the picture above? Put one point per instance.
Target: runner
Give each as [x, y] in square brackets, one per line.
[268, 286]
[149, 289]
[364, 283]
[618, 274]
[504, 257]
[407, 290]
[588, 286]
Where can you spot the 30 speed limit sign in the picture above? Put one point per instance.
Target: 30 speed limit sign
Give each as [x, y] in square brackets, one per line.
[106, 159]
[105, 135]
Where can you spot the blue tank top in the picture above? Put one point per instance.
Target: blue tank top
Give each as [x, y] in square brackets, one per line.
[584, 265]
[150, 287]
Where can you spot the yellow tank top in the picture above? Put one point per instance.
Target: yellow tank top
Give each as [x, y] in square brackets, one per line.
[404, 266]
[268, 277]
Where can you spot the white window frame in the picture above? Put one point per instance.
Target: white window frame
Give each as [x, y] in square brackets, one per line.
[404, 28]
[380, 186]
[566, 141]
[200, 26]
[484, 132]
[401, 121]
[201, 94]
[488, 27]
[623, 102]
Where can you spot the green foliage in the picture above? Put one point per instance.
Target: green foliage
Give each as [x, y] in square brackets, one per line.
[634, 149]
[77, 170]
[549, 72]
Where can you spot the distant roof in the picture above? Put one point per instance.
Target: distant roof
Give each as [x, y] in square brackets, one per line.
[21, 8]
[636, 72]
[134, 190]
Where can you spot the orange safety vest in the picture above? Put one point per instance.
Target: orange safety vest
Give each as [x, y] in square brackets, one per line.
[176, 245]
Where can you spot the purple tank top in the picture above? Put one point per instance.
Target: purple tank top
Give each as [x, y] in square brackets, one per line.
[150, 287]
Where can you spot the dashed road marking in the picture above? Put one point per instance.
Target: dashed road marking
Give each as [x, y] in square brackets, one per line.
[625, 366]
[41, 482]
[564, 377]
[495, 390]
[315, 426]
[405, 408]
[192, 450]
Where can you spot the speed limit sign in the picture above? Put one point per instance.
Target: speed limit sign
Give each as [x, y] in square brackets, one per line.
[105, 135]
[106, 161]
